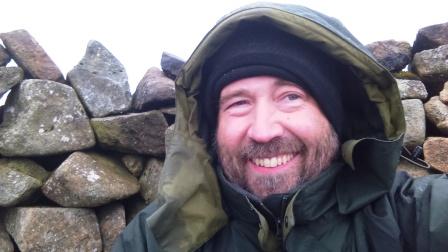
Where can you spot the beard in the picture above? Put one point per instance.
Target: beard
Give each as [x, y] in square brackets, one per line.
[315, 157]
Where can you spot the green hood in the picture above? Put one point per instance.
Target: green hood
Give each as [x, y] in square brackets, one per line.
[188, 209]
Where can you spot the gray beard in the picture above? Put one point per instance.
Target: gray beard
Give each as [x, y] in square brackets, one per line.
[316, 159]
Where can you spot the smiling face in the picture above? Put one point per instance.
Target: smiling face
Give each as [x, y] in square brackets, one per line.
[271, 135]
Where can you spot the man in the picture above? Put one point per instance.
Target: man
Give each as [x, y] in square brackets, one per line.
[287, 136]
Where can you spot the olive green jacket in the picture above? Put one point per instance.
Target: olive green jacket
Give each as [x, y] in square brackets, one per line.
[358, 204]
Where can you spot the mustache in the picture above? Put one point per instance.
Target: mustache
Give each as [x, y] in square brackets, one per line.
[277, 146]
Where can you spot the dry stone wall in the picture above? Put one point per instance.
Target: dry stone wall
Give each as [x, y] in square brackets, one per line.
[80, 156]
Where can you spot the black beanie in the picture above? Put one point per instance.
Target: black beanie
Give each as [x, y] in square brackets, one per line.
[259, 49]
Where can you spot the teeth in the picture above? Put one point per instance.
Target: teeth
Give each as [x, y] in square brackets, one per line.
[274, 161]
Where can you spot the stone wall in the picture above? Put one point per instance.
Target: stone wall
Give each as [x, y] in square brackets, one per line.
[81, 155]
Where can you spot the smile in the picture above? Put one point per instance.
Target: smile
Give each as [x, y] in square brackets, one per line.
[274, 161]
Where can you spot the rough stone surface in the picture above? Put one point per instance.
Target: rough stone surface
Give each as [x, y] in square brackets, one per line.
[134, 163]
[30, 56]
[149, 180]
[89, 180]
[5, 241]
[435, 150]
[154, 91]
[444, 94]
[394, 55]
[431, 66]
[171, 65]
[101, 82]
[4, 56]
[44, 117]
[53, 229]
[141, 133]
[414, 115]
[112, 222]
[9, 77]
[19, 179]
[437, 113]
[431, 37]
[412, 89]
[412, 170]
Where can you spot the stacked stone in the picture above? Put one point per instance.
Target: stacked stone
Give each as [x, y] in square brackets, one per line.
[78, 156]
[424, 92]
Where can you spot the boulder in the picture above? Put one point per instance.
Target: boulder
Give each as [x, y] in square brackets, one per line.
[412, 89]
[53, 229]
[432, 68]
[101, 82]
[431, 37]
[30, 56]
[394, 55]
[4, 56]
[9, 77]
[134, 163]
[5, 241]
[141, 133]
[44, 117]
[112, 222]
[154, 91]
[171, 65]
[149, 180]
[89, 180]
[414, 115]
[435, 150]
[444, 94]
[437, 113]
[20, 178]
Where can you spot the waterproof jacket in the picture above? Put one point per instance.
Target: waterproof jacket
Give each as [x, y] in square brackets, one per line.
[357, 204]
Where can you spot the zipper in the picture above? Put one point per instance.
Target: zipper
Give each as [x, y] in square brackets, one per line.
[278, 220]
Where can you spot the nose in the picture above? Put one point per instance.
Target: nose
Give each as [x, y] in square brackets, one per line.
[265, 124]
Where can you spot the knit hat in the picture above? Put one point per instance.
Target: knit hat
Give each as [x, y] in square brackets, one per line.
[259, 49]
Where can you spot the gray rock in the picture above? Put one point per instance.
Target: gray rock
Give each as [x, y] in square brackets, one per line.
[89, 180]
[414, 115]
[141, 133]
[30, 56]
[394, 55]
[444, 93]
[5, 242]
[4, 56]
[432, 68]
[412, 89]
[134, 163]
[19, 179]
[435, 150]
[437, 113]
[44, 117]
[101, 82]
[53, 229]
[171, 65]
[112, 222]
[154, 91]
[9, 77]
[431, 37]
[149, 180]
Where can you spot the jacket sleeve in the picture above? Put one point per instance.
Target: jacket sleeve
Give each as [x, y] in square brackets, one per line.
[421, 206]
[137, 237]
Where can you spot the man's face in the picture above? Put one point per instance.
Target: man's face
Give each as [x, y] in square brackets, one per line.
[272, 135]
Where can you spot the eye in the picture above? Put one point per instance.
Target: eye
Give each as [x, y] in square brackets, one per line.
[292, 97]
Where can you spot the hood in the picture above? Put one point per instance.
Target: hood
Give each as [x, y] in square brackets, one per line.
[188, 188]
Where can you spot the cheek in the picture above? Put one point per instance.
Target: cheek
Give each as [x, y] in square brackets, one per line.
[230, 132]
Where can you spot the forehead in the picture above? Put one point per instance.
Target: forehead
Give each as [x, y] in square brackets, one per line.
[259, 84]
